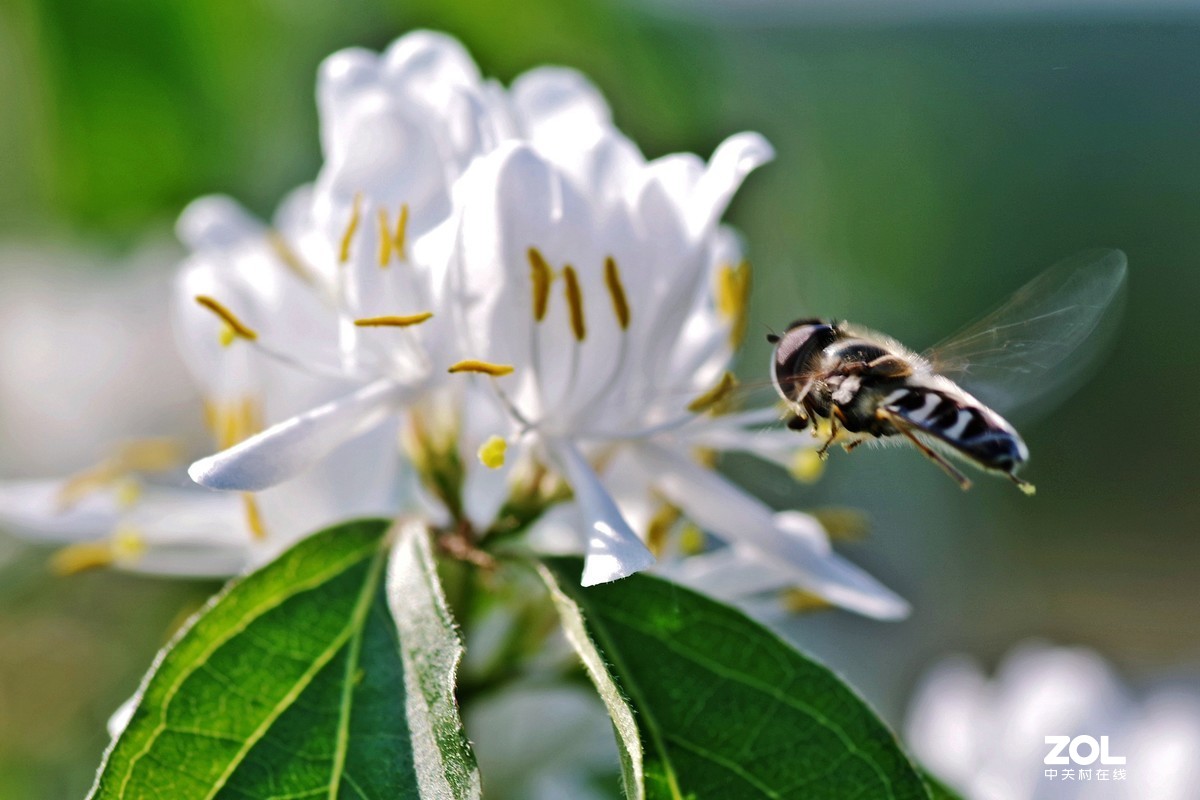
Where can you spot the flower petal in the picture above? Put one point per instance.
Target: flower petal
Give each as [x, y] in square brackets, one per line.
[793, 539]
[734, 159]
[287, 449]
[613, 550]
[32, 509]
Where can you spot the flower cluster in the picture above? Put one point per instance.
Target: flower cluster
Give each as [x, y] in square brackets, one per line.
[490, 308]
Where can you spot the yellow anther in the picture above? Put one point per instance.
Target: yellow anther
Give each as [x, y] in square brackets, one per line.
[616, 290]
[807, 466]
[385, 240]
[124, 546]
[733, 298]
[692, 540]
[660, 527]
[254, 520]
[142, 455]
[574, 302]
[150, 455]
[401, 235]
[712, 398]
[76, 558]
[351, 229]
[541, 276]
[238, 327]
[227, 336]
[482, 367]
[843, 524]
[800, 601]
[492, 452]
[290, 259]
[395, 321]
[232, 422]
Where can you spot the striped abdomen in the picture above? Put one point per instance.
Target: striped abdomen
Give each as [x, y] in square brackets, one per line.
[952, 416]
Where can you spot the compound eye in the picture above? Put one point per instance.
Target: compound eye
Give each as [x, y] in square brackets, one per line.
[801, 341]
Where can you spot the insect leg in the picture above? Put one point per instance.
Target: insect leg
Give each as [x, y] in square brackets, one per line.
[823, 453]
[902, 425]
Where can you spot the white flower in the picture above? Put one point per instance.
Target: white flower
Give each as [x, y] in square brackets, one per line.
[460, 227]
[987, 738]
[398, 130]
[607, 286]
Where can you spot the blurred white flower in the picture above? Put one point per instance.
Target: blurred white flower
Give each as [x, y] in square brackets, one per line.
[986, 738]
[543, 743]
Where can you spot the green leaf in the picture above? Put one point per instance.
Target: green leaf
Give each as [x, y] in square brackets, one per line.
[292, 683]
[721, 707]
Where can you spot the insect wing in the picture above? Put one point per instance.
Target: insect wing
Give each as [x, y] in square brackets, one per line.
[1044, 339]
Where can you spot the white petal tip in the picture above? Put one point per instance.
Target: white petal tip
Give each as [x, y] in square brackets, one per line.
[223, 474]
[606, 567]
[751, 150]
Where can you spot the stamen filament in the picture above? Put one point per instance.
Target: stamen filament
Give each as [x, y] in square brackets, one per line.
[394, 321]
[254, 520]
[541, 276]
[616, 290]
[574, 302]
[482, 368]
[236, 325]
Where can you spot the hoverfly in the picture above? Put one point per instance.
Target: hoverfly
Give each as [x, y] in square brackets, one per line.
[870, 387]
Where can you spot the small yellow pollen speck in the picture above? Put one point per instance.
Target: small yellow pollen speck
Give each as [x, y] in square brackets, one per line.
[691, 540]
[492, 452]
[612, 279]
[127, 544]
[254, 520]
[799, 601]
[733, 298]
[351, 229]
[481, 367]
[385, 240]
[1028, 488]
[227, 336]
[129, 491]
[238, 327]
[712, 398]
[574, 302]
[806, 466]
[541, 276]
[396, 321]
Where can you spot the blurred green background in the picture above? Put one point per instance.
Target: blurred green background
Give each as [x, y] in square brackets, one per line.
[928, 165]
